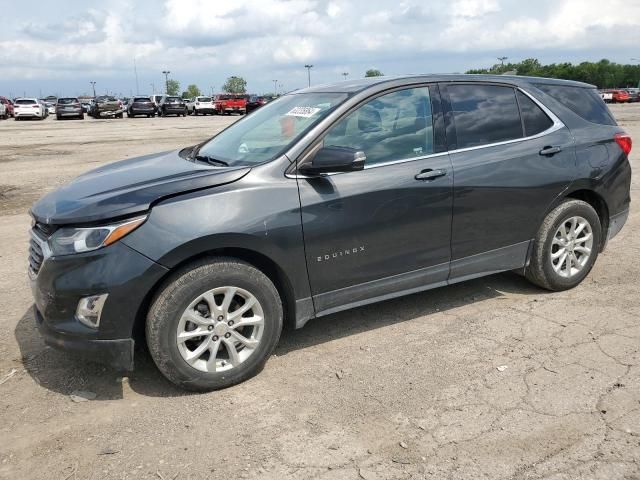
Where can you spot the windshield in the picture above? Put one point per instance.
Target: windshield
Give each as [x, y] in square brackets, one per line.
[270, 130]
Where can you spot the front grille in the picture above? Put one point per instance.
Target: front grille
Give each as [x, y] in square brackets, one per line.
[39, 235]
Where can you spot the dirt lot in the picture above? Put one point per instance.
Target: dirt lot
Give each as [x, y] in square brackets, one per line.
[408, 388]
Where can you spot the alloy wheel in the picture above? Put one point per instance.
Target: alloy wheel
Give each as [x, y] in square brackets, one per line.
[571, 247]
[220, 329]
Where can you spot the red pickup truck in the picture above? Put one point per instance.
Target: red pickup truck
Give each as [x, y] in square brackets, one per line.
[228, 103]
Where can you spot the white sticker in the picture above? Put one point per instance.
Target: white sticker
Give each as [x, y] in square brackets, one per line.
[304, 112]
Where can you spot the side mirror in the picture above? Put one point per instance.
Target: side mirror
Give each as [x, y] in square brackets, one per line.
[334, 159]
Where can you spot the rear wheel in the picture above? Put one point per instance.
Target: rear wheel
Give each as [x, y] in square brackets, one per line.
[214, 324]
[566, 246]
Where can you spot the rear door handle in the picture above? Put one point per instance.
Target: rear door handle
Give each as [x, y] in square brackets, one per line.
[430, 174]
[549, 151]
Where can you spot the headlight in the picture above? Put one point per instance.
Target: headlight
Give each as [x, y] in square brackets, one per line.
[69, 240]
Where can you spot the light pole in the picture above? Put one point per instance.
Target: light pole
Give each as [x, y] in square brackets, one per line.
[166, 79]
[345, 75]
[93, 85]
[135, 70]
[275, 87]
[153, 88]
[502, 59]
[308, 67]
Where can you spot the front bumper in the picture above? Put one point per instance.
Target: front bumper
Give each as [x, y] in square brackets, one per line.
[116, 353]
[61, 282]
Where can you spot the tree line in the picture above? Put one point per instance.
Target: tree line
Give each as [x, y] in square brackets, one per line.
[603, 74]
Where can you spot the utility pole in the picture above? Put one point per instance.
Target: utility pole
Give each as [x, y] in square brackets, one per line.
[135, 70]
[166, 78]
[153, 88]
[275, 87]
[308, 67]
[502, 59]
[345, 75]
[93, 84]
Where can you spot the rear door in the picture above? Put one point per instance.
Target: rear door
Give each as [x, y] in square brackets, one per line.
[511, 158]
[384, 230]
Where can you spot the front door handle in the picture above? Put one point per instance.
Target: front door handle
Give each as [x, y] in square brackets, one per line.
[430, 174]
[550, 151]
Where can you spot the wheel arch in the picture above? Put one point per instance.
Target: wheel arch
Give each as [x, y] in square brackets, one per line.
[257, 259]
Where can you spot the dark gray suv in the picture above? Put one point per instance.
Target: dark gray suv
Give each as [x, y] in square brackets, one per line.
[322, 200]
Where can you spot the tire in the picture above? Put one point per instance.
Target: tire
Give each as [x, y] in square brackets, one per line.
[58, 117]
[81, 117]
[541, 270]
[177, 296]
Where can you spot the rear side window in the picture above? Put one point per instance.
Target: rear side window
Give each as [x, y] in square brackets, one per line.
[585, 102]
[484, 114]
[533, 118]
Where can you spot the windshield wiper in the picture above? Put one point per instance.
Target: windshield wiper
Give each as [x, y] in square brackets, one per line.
[211, 160]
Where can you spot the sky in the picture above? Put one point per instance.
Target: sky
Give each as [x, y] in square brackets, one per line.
[58, 47]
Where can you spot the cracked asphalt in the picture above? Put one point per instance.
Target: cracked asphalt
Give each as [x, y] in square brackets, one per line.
[492, 378]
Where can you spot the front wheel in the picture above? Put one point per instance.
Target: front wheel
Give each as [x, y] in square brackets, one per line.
[214, 324]
[566, 246]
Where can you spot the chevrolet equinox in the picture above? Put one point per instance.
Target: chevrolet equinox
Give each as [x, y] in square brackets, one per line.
[326, 199]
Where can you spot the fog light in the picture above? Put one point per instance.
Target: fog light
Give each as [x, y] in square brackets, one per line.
[90, 308]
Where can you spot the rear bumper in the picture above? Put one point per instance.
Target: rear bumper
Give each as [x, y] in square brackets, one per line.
[116, 353]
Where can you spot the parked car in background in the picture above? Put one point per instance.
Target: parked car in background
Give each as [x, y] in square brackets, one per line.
[156, 99]
[3, 111]
[86, 105]
[171, 105]
[618, 95]
[106, 106]
[607, 97]
[256, 101]
[228, 103]
[200, 106]
[69, 107]
[8, 104]
[324, 200]
[45, 107]
[29, 108]
[141, 106]
[51, 107]
[634, 94]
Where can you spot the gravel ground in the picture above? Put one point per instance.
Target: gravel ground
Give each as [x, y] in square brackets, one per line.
[408, 388]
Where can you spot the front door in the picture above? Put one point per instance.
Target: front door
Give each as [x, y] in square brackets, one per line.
[385, 230]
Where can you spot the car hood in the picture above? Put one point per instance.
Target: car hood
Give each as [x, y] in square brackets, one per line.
[128, 187]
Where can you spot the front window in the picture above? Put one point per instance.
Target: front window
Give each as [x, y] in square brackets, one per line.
[272, 129]
[395, 126]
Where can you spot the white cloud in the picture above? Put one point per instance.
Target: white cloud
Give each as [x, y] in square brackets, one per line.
[267, 35]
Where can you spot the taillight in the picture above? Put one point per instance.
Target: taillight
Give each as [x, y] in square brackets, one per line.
[624, 142]
[35, 106]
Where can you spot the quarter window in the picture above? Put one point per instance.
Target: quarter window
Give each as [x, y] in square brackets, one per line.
[484, 114]
[392, 127]
[533, 118]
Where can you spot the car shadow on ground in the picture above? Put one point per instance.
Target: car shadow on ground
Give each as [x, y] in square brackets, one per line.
[64, 373]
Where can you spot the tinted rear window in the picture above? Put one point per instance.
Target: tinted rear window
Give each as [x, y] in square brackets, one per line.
[142, 99]
[173, 99]
[585, 102]
[225, 97]
[533, 118]
[106, 98]
[25, 102]
[67, 101]
[484, 114]
[204, 99]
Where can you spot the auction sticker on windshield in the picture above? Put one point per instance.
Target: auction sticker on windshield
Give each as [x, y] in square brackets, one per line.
[305, 112]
